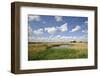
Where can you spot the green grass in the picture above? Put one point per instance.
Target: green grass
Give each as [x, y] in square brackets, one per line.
[61, 53]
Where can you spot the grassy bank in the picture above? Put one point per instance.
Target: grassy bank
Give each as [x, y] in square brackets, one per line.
[42, 51]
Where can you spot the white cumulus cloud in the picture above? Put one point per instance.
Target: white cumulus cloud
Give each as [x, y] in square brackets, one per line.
[58, 18]
[50, 30]
[34, 18]
[38, 31]
[76, 28]
[86, 22]
[30, 31]
[84, 31]
[63, 27]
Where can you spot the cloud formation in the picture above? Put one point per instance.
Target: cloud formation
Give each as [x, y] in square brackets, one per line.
[84, 31]
[30, 31]
[53, 30]
[77, 28]
[58, 18]
[50, 30]
[38, 31]
[58, 38]
[63, 27]
[34, 18]
[86, 22]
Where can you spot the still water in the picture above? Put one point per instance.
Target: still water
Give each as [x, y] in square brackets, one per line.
[62, 46]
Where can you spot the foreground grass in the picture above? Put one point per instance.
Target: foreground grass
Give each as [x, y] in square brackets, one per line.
[43, 52]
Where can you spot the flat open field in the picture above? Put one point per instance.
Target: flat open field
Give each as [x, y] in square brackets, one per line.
[51, 51]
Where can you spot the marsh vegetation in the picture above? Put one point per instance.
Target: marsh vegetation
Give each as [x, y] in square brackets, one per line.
[53, 50]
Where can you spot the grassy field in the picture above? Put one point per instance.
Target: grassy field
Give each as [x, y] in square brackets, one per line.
[45, 51]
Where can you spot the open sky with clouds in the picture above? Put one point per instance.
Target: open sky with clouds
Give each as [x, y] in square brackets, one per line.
[43, 28]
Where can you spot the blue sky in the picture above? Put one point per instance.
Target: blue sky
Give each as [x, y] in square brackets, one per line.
[43, 28]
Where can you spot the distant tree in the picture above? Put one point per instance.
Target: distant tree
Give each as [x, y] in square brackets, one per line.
[73, 41]
[81, 41]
